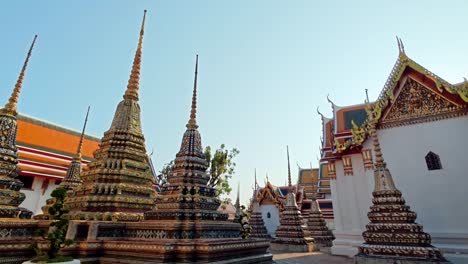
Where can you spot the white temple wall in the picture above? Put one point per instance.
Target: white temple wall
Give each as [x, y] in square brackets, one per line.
[272, 222]
[438, 196]
[34, 197]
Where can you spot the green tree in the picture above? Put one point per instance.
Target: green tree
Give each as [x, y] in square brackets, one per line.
[221, 167]
[57, 235]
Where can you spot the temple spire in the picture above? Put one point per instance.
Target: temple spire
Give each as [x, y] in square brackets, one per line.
[192, 123]
[11, 106]
[255, 173]
[379, 161]
[314, 185]
[134, 80]
[289, 168]
[80, 145]
[367, 96]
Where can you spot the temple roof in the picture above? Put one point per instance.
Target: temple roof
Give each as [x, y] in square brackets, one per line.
[433, 97]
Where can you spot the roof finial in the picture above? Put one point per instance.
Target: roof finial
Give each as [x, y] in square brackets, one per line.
[379, 161]
[367, 96]
[11, 106]
[401, 47]
[80, 145]
[256, 184]
[134, 80]
[289, 168]
[192, 123]
[330, 101]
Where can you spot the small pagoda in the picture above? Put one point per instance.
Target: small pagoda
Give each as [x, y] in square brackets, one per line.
[72, 178]
[256, 221]
[392, 236]
[291, 235]
[119, 184]
[16, 227]
[316, 225]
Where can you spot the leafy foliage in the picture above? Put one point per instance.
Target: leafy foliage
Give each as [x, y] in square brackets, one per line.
[57, 232]
[244, 221]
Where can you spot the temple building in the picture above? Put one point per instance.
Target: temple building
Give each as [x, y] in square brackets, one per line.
[271, 198]
[421, 122]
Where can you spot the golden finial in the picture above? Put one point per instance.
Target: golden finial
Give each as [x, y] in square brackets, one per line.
[314, 185]
[11, 106]
[80, 145]
[192, 123]
[289, 168]
[134, 80]
[379, 161]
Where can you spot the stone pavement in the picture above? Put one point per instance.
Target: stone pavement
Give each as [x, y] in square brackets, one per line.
[309, 258]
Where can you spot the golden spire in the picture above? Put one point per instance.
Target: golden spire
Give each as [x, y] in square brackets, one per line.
[379, 161]
[192, 123]
[289, 169]
[80, 145]
[134, 80]
[10, 107]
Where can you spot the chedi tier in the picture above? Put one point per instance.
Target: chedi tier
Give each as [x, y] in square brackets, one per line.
[119, 183]
[291, 235]
[392, 236]
[317, 226]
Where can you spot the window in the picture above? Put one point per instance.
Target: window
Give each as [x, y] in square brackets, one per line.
[433, 161]
[57, 182]
[26, 180]
[268, 215]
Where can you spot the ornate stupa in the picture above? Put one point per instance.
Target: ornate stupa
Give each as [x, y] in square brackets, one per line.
[72, 178]
[16, 228]
[291, 234]
[256, 221]
[237, 205]
[184, 225]
[316, 225]
[392, 236]
[119, 183]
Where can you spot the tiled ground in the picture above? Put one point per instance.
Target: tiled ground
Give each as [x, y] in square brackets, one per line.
[309, 258]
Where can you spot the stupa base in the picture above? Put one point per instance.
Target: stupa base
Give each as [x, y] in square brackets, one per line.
[299, 248]
[365, 259]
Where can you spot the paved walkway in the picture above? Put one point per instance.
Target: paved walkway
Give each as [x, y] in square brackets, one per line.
[309, 258]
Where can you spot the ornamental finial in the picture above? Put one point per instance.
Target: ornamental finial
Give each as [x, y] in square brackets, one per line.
[314, 185]
[330, 101]
[289, 168]
[11, 106]
[367, 96]
[80, 145]
[134, 80]
[256, 184]
[192, 123]
[379, 161]
[401, 47]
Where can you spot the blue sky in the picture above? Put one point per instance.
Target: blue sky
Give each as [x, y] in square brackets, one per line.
[264, 68]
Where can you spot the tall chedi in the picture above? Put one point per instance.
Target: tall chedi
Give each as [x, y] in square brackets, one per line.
[256, 221]
[392, 236]
[10, 194]
[291, 234]
[316, 225]
[16, 228]
[119, 183]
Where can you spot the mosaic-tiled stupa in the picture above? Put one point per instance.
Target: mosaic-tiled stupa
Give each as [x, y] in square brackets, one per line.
[72, 178]
[291, 235]
[392, 236]
[119, 182]
[316, 225]
[256, 221]
[16, 227]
